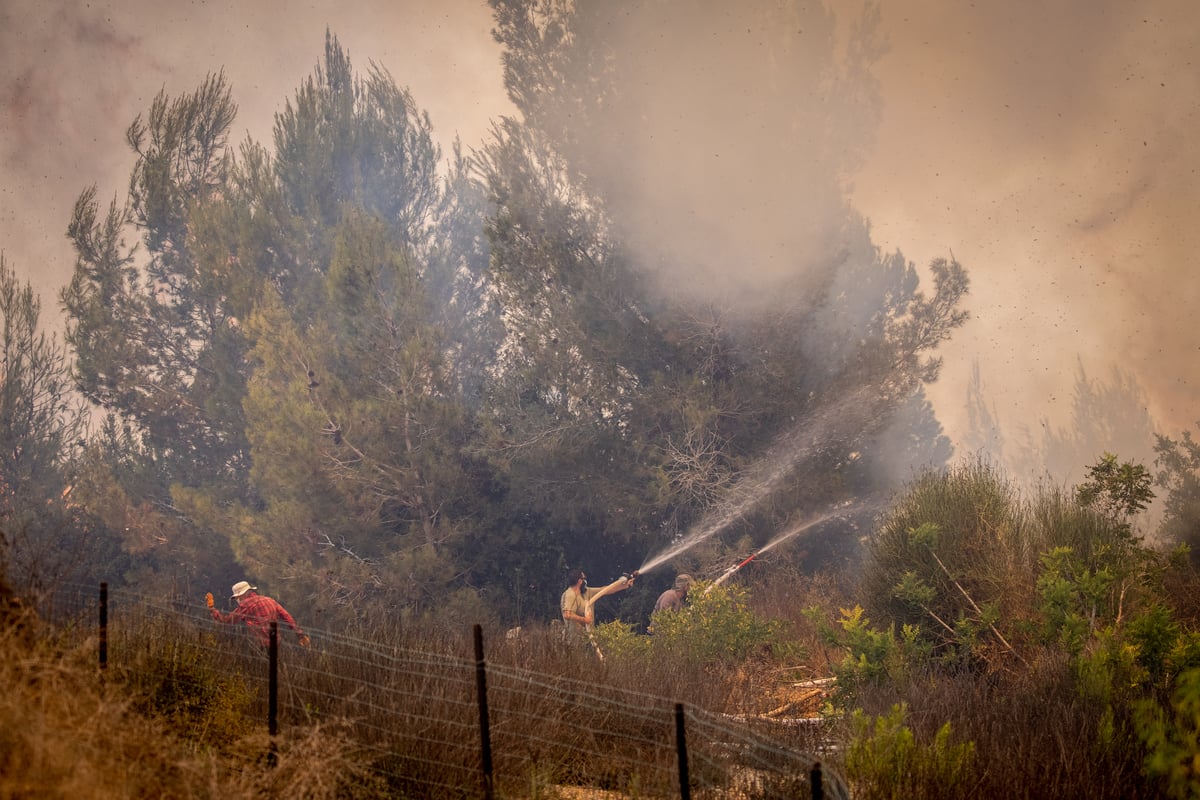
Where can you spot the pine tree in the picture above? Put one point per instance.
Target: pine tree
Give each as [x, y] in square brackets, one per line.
[45, 539]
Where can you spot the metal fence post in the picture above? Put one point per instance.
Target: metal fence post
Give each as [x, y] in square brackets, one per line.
[685, 788]
[485, 735]
[814, 782]
[272, 690]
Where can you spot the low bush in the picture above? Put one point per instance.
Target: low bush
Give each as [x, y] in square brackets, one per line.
[886, 760]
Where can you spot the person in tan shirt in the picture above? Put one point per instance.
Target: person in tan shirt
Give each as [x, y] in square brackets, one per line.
[578, 600]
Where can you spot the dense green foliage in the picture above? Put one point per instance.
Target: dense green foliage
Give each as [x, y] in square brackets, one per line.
[404, 390]
[1178, 462]
[716, 627]
[46, 537]
[386, 383]
[887, 761]
[1053, 600]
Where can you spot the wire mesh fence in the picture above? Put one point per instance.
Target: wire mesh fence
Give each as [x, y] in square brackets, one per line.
[412, 709]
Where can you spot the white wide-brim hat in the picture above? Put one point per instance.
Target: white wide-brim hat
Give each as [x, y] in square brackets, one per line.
[240, 588]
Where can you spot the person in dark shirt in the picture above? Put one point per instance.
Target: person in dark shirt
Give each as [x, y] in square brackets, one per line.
[672, 599]
[256, 612]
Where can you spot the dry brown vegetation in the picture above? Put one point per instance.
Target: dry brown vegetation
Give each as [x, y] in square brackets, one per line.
[1058, 679]
[180, 711]
[68, 731]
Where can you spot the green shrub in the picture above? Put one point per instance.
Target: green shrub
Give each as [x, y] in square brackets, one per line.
[885, 760]
[717, 625]
[952, 557]
[1074, 599]
[620, 640]
[175, 679]
[1157, 636]
[871, 656]
[1172, 737]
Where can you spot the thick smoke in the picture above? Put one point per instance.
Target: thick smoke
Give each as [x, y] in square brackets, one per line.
[1051, 147]
[721, 135]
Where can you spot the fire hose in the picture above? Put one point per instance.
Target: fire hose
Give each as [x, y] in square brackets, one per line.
[724, 576]
[620, 583]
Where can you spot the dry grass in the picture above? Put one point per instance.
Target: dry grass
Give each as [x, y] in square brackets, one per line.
[393, 714]
[396, 716]
[1034, 736]
[67, 731]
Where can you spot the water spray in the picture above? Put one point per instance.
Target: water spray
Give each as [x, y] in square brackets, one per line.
[783, 537]
[844, 419]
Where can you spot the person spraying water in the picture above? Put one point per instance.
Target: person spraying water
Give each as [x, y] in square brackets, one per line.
[578, 605]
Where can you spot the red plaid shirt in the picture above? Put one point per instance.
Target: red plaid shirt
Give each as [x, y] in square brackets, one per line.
[258, 612]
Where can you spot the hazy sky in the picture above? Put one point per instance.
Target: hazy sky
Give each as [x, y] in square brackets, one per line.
[1050, 146]
[75, 74]
[1053, 147]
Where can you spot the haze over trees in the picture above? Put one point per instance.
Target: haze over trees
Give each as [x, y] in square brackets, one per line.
[385, 376]
[44, 536]
[394, 379]
[405, 387]
[397, 380]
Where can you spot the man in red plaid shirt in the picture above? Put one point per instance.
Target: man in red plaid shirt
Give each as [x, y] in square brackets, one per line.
[257, 611]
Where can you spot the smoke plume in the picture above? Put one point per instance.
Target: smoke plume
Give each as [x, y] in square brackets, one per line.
[1049, 147]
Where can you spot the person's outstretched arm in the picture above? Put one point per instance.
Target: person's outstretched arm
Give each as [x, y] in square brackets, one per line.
[283, 614]
[619, 585]
[214, 611]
